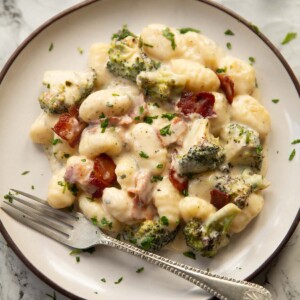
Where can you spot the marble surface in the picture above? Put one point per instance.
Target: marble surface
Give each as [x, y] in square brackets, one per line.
[18, 18]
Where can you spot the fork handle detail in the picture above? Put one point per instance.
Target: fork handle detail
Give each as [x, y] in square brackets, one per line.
[221, 287]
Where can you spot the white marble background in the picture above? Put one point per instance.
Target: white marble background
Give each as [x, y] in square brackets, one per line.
[18, 18]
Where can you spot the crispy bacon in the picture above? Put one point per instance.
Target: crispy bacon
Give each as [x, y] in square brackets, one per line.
[218, 198]
[69, 127]
[180, 183]
[227, 86]
[103, 174]
[201, 103]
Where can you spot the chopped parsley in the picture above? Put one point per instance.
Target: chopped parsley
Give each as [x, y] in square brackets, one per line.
[251, 60]
[149, 119]
[159, 166]
[229, 32]
[164, 220]
[289, 37]
[221, 70]
[75, 252]
[165, 130]
[119, 280]
[77, 259]
[32, 187]
[66, 155]
[103, 125]
[94, 220]
[296, 142]
[292, 155]
[51, 47]
[259, 149]
[155, 104]
[83, 160]
[188, 29]
[25, 172]
[275, 101]
[190, 254]
[80, 50]
[185, 192]
[105, 223]
[254, 27]
[143, 154]
[122, 34]
[53, 297]
[9, 197]
[115, 95]
[56, 141]
[140, 270]
[169, 116]
[169, 36]
[102, 116]
[141, 109]
[229, 46]
[137, 118]
[141, 44]
[156, 178]
[103, 280]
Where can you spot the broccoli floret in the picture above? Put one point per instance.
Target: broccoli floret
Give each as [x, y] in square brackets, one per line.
[126, 58]
[150, 235]
[65, 88]
[201, 158]
[239, 187]
[209, 236]
[242, 145]
[161, 84]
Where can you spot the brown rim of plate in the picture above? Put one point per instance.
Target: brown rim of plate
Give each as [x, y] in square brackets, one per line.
[76, 7]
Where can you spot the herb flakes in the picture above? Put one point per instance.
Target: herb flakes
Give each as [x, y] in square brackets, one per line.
[229, 46]
[51, 47]
[188, 29]
[25, 172]
[190, 254]
[275, 101]
[165, 130]
[296, 142]
[143, 154]
[292, 155]
[289, 37]
[229, 32]
[140, 270]
[119, 280]
[169, 36]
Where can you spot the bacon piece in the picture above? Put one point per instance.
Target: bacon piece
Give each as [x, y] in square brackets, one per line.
[201, 103]
[69, 127]
[218, 198]
[180, 183]
[103, 174]
[227, 86]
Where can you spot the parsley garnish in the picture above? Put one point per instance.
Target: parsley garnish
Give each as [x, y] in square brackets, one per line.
[103, 280]
[296, 142]
[254, 27]
[190, 254]
[122, 34]
[32, 187]
[25, 172]
[169, 116]
[53, 297]
[68, 83]
[104, 124]
[289, 37]
[221, 70]
[185, 192]
[115, 95]
[9, 197]
[56, 141]
[156, 104]
[141, 44]
[77, 259]
[251, 60]
[259, 149]
[159, 166]
[140, 270]
[229, 46]
[292, 155]
[119, 280]
[149, 119]
[169, 36]
[147, 243]
[164, 220]
[102, 116]
[156, 178]
[94, 220]
[275, 101]
[228, 32]
[137, 118]
[143, 154]
[188, 29]
[80, 50]
[165, 130]
[104, 223]
[141, 109]
[83, 160]
[51, 47]
[75, 252]
[66, 155]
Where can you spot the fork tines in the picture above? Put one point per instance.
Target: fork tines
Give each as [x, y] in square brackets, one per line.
[40, 216]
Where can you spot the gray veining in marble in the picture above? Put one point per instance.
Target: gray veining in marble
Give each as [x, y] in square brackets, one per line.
[18, 18]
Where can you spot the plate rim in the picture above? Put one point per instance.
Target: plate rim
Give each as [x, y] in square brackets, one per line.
[78, 6]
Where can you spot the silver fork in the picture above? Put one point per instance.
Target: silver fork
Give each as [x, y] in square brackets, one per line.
[74, 230]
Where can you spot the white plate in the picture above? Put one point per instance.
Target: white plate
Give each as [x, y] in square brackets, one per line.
[96, 21]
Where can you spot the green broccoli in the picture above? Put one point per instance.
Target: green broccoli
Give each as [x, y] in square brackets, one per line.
[150, 235]
[201, 158]
[209, 236]
[66, 88]
[242, 145]
[161, 84]
[126, 58]
[239, 187]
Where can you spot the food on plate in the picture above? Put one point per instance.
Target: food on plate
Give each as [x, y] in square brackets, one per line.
[161, 136]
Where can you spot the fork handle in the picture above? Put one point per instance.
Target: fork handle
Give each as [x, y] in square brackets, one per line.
[222, 287]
